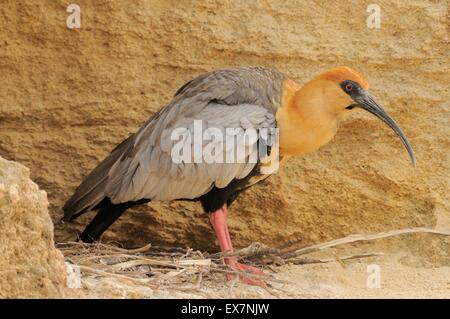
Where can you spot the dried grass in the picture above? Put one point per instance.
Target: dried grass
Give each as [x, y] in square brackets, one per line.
[186, 270]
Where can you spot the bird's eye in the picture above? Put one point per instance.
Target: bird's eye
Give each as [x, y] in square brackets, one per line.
[348, 87]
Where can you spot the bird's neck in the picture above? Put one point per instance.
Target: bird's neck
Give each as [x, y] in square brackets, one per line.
[303, 120]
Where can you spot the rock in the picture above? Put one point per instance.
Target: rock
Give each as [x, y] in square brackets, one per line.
[30, 265]
[76, 93]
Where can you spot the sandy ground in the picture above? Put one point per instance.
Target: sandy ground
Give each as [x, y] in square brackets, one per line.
[400, 276]
[353, 280]
[331, 280]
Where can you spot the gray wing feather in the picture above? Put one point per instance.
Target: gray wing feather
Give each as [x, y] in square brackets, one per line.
[140, 167]
[169, 180]
[92, 190]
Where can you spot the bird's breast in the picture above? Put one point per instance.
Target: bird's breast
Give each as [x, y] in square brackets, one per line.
[303, 128]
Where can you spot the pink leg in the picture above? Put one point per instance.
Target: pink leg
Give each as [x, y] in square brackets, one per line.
[219, 222]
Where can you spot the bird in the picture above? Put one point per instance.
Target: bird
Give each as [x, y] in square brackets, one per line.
[143, 168]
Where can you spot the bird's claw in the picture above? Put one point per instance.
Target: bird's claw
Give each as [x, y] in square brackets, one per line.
[242, 268]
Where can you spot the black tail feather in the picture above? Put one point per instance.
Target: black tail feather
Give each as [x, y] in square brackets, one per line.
[92, 191]
[108, 213]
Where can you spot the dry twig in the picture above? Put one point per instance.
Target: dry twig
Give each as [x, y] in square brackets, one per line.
[363, 237]
[184, 269]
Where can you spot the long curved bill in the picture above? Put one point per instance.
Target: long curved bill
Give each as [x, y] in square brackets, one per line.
[368, 103]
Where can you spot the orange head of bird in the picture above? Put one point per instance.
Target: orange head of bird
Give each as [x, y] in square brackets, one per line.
[342, 89]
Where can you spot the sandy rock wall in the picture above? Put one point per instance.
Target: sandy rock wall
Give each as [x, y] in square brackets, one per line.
[67, 97]
[30, 265]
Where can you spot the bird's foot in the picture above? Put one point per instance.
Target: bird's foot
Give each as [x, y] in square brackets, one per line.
[242, 268]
